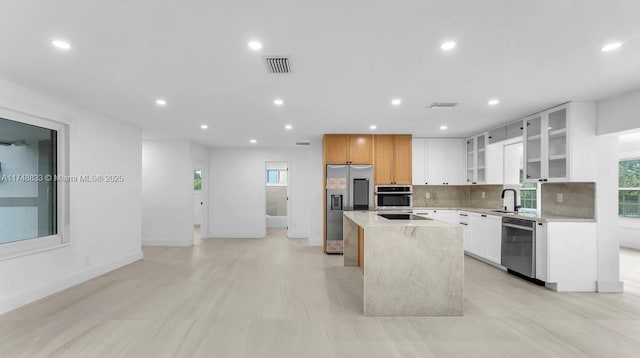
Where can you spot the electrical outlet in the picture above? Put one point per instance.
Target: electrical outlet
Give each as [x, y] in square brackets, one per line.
[427, 195]
[484, 195]
[559, 197]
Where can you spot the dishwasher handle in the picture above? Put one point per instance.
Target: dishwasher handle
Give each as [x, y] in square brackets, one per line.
[527, 228]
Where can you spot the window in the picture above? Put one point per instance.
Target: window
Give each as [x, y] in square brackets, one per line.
[629, 188]
[32, 199]
[197, 180]
[277, 176]
[528, 194]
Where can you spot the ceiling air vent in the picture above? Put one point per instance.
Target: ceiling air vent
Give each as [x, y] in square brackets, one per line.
[443, 105]
[278, 64]
[303, 143]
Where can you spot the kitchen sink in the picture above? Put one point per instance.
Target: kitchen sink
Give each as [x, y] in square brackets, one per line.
[505, 212]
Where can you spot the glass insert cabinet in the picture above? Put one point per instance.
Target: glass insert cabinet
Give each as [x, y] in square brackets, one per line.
[476, 159]
[545, 146]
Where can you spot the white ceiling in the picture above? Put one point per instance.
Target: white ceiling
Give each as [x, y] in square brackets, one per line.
[350, 58]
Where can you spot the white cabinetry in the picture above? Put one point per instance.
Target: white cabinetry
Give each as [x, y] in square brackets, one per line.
[479, 237]
[476, 159]
[448, 216]
[552, 136]
[541, 252]
[572, 256]
[464, 219]
[494, 238]
[438, 161]
[485, 236]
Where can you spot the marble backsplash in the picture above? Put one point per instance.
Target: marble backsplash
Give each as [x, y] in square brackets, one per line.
[578, 199]
[458, 196]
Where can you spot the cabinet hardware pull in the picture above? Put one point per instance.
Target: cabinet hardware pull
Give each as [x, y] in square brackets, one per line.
[483, 215]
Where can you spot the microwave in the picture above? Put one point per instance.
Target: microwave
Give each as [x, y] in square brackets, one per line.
[393, 197]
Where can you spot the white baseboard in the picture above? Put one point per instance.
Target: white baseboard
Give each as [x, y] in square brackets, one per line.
[315, 242]
[171, 243]
[611, 286]
[27, 297]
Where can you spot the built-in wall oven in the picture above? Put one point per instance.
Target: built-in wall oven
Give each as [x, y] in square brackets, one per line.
[519, 246]
[393, 197]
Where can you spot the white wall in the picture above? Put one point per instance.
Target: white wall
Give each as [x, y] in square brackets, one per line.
[316, 187]
[620, 113]
[104, 217]
[237, 193]
[167, 193]
[615, 115]
[607, 214]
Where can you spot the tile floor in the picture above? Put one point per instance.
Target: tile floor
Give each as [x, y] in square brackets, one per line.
[277, 297]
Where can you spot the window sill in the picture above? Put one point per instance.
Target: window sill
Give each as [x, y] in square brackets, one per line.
[631, 223]
[33, 252]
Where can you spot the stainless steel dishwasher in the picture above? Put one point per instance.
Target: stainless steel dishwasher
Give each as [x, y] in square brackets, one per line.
[519, 246]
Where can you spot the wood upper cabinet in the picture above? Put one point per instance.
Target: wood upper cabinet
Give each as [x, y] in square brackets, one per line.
[360, 149]
[402, 159]
[383, 159]
[392, 159]
[348, 148]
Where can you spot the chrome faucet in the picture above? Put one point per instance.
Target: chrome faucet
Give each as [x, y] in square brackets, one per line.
[515, 198]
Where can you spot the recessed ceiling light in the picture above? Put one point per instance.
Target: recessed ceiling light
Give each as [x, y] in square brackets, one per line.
[396, 101]
[204, 126]
[255, 45]
[288, 127]
[253, 141]
[493, 102]
[63, 45]
[161, 102]
[611, 47]
[278, 102]
[447, 46]
[443, 128]
[373, 127]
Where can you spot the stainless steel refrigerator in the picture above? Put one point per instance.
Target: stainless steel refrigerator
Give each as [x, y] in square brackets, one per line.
[349, 187]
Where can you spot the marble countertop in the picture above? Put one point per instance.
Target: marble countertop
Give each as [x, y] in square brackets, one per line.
[534, 216]
[371, 218]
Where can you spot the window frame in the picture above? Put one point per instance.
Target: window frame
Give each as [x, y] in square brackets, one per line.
[26, 247]
[620, 189]
[195, 171]
[279, 183]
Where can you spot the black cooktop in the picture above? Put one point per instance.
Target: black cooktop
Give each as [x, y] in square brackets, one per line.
[402, 217]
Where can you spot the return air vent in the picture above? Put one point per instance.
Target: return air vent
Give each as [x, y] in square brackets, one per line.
[303, 143]
[443, 105]
[278, 64]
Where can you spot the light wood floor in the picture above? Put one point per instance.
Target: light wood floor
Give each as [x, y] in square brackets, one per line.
[277, 297]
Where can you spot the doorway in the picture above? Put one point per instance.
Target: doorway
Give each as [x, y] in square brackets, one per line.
[199, 229]
[629, 210]
[277, 184]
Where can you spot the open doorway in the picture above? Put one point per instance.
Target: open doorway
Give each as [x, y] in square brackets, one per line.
[198, 205]
[629, 210]
[277, 195]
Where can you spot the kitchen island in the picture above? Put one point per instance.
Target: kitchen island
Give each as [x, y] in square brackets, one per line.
[410, 267]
